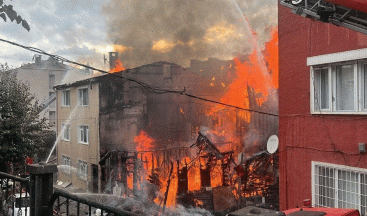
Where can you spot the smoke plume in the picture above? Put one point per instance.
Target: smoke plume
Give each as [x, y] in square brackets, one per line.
[176, 30]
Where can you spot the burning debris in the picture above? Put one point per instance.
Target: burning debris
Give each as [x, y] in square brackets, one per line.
[159, 181]
[206, 146]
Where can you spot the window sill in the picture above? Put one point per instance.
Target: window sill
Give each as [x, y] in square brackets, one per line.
[83, 143]
[66, 140]
[65, 106]
[338, 113]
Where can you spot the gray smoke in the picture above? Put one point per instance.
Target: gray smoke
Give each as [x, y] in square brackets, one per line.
[176, 30]
[262, 15]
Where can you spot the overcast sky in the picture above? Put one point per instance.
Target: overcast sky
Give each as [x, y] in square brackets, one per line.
[143, 31]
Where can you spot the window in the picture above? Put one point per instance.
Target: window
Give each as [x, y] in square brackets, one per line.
[65, 98]
[82, 169]
[339, 88]
[83, 132]
[50, 94]
[65, 160]
[83, 97]
[52, 118]
[66, 132]
[51, 81]
[339, 186]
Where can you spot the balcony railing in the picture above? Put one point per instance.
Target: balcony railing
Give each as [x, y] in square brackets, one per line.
[37, 196]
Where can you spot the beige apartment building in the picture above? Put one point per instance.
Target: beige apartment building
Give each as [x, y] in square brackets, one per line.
[77, 126]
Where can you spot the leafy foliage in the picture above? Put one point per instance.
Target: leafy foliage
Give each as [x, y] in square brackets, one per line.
[7, 10]
[21, 130]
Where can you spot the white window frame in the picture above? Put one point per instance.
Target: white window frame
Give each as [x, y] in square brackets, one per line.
[65, 128]
[313, 89]
[361, 82]
[63, 162]
[80, 100]
[81, 174]
[63, 101]
[86, 142]
[359, 87]
[358, 185]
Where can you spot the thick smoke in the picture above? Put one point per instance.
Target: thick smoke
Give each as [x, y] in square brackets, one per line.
[262, 15]
[176, 30]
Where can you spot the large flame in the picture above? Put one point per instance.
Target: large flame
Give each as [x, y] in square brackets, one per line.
[272, 57]
[118, 67]
[255, 77]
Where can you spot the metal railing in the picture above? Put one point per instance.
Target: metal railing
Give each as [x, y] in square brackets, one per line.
[89, 205]
[14, 195]
[37, 196]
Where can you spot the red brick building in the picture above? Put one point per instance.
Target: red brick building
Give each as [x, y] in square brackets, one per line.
[322, 109]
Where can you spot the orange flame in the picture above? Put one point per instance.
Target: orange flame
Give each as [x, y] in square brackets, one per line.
[143, 141]
[272, 57]
[193, 177]
[119, 67]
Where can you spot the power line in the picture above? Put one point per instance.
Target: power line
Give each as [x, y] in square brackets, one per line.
[155, 90]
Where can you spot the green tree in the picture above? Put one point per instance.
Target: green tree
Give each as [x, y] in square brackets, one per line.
[22, 132]
[7, 11]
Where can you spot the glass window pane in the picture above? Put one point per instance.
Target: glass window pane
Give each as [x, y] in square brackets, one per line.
[324, 86]
[345, 88]
[322, 93]
[80, 96]
[67, 98]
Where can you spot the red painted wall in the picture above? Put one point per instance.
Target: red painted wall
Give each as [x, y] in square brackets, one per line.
[305, 137]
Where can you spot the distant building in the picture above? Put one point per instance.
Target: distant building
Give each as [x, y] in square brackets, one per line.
[42, 76]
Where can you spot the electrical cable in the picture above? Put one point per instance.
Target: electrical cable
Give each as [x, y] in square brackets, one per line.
[155, 90]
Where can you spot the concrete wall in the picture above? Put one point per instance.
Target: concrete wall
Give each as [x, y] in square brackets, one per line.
[305, 137]
[79, 115]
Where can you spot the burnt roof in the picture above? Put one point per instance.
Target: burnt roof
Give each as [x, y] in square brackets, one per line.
[116, 74]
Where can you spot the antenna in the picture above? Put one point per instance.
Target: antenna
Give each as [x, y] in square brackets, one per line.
[104, 59]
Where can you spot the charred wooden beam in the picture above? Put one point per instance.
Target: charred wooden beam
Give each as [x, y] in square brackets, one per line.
[168, 185]
[205, 145]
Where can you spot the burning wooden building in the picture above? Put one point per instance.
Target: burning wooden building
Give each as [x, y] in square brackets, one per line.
[154, 133]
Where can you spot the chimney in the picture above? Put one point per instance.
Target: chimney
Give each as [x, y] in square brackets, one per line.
[113, 57]
[37, 59]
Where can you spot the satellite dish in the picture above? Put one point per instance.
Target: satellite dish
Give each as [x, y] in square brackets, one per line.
[273, 144]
